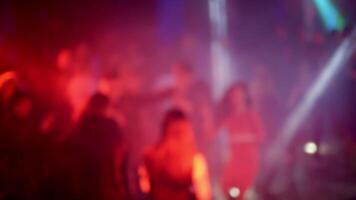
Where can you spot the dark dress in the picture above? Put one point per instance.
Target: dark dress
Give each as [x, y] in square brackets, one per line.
[97, 141]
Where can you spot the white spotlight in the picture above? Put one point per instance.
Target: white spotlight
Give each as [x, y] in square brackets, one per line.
[297, 117]
[341, 55]
[234, 192]
[310, 148]
[220, 58]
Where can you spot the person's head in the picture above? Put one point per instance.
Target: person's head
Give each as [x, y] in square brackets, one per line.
[176, 147]
[177, 127]
[98, 103]
[21, 106]
[238, 98]
[64, 59]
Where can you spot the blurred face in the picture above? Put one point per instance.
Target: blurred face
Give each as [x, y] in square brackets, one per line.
[23, 108]
[180, 131]
[64, 59]
[238, 100]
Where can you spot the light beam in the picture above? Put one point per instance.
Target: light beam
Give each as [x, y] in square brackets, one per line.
[330, 15]
[297, 117]
[220, 69]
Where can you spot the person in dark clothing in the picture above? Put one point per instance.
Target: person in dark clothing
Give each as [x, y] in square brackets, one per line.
[136, 106]
[100, 152]
[18, 168]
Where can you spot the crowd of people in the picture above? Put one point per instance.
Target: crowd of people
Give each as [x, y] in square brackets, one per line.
[121, 100]
[74, 133]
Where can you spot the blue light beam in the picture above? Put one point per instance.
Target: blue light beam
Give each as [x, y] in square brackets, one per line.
[331, 17]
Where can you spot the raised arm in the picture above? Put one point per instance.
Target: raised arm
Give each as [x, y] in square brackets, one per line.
[201, 178]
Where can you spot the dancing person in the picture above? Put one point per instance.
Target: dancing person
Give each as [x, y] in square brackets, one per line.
[134, 108]
[100, 145]
[245, 134]
[193, 97]
[18, 166]
[173, 169]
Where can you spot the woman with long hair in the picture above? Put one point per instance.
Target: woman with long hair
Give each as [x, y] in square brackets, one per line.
[173, 168]
[245, 134]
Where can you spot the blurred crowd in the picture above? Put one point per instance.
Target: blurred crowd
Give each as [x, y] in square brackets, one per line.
[122, 100]
[76, 131]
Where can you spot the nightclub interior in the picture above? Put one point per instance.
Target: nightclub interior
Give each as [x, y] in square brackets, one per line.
[178, 100]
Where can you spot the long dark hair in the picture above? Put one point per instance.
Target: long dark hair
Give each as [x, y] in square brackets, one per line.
[225, 104]
[170, 117]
